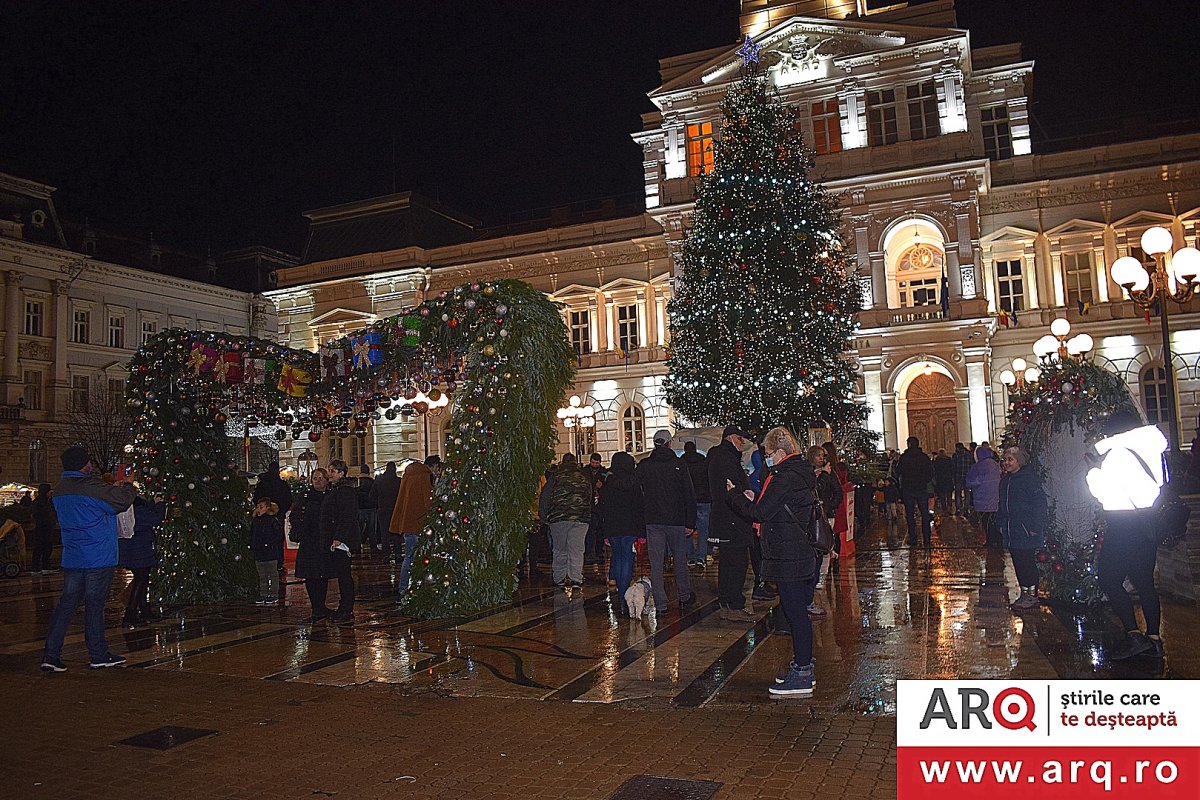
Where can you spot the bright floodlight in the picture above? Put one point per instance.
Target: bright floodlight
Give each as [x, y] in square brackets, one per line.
[574, 401]
[1127, 271]
[1156, 240]
[1007, 377]
[1060, 327]
[1018, 365]
[1186, 264]
[1032, 375]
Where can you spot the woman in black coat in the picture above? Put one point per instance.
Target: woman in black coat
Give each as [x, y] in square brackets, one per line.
[137, 555]
[341, 535]
[620, 519]
[312, 555]
[784, 511]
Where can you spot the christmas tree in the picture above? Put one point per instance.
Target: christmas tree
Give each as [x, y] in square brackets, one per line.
[766, 305]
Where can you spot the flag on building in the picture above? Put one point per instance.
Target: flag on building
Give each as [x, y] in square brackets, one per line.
[1003, 318]
[1083, 307]
[1016, 323]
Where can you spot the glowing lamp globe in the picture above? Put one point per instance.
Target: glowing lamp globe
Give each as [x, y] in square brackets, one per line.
[1018, 365]
[1156, 240]
[1128, 272]
[1045, 346]
[1186, 264]
[574, 401]
[562, 413]
[1060, 327]
[1007, 377]
[1073, 346]
[1032, 375]
[1085, 342]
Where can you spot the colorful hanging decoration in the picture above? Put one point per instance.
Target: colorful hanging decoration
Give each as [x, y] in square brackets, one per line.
[368, 350]
[335, 362]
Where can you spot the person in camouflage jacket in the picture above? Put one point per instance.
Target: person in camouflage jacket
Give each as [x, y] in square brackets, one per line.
[566, 506]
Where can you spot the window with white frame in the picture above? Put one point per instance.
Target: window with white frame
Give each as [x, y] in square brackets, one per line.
[997, 136]
[33, 389]
[1141, 255]
[1077, 277]
[116, 387]
[627, 327]
[700, 148]
[827, 126]
[920, 292]
[116, 330]
[35, 318]
[923, 111]
[1154, 394]
[149, 330]
[633, 429]
[881, 118]
[81, 326]
[81, 390]
[1010, 285]
[580, 329]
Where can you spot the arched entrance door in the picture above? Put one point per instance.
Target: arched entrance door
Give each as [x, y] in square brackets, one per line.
[932, 412]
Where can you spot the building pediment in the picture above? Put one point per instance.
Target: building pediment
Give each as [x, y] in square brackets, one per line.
[342, 317]
[1008, 234]
[801, 50]
[1144, 219]
[1077, 226]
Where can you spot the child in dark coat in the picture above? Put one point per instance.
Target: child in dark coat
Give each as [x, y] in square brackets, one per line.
[266, 543]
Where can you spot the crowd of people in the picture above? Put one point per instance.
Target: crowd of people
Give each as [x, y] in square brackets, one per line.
[757, 505]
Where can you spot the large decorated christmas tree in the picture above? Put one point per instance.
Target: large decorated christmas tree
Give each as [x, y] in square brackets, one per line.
[766, 305]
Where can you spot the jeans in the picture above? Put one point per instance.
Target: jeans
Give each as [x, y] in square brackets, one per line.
[1127, 552]
[339, 565]
[410, 547]
[91, 586]
[268, 579]
[794, 599]
[569, 537]
[660, 540]
[622, 563]
[697, 551]
[914, 502]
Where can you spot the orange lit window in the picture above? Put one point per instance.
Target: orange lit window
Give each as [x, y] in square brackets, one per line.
[700, 148]
[827, 127]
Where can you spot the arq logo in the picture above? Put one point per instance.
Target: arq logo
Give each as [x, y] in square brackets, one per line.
[1012, 708]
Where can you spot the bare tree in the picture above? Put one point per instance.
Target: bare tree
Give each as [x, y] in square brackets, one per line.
[101, 423]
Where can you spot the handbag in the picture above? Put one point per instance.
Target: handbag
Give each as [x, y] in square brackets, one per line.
[1170, 521]
[820, 535]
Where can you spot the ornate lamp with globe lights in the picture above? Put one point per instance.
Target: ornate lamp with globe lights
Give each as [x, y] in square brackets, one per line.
[1020, 375]
[1060, 345]
[1175, 281]
[575, 418]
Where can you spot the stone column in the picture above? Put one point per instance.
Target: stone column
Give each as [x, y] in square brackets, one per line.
[12, 333]
[977, 396]
[873, 394]
[59, 389]
[891, 431]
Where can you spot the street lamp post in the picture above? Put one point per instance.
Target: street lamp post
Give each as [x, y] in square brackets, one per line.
[575, 418]
[1175, 281]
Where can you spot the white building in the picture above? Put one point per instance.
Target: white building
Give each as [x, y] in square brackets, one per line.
[72, 318]
[927, 143]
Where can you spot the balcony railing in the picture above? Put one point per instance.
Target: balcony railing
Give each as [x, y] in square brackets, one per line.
[12, 413]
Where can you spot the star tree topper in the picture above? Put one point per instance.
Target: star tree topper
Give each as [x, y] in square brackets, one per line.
[748, 51]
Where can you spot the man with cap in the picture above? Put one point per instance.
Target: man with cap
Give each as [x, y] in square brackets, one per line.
[730, 532]
[87, 509]
[670, 513]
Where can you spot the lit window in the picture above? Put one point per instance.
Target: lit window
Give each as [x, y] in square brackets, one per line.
[700, 148]
[33, 390]
[80, 393]
[35, 312]
[827, 127]
[881, 118]
[1077, 276]
[81, 326]
[1010, 285]
[997, 136]
[581, 331]
[920, 292]
[627, 327]
[633, 429]
[923, 111]
[1154, 394]
[116, 331]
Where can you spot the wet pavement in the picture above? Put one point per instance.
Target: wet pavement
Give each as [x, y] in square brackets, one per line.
[894, 612]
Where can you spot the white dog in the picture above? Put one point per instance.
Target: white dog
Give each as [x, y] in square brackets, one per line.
[638, 598]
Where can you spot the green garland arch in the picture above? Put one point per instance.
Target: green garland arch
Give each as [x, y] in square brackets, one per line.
[500, 347]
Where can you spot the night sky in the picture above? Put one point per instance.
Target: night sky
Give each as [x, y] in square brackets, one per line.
[216, 124]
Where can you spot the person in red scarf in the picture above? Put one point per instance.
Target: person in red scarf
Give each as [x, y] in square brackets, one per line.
[784, 512]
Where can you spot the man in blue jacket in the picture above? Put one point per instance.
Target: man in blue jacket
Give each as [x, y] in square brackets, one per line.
[87, 509]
